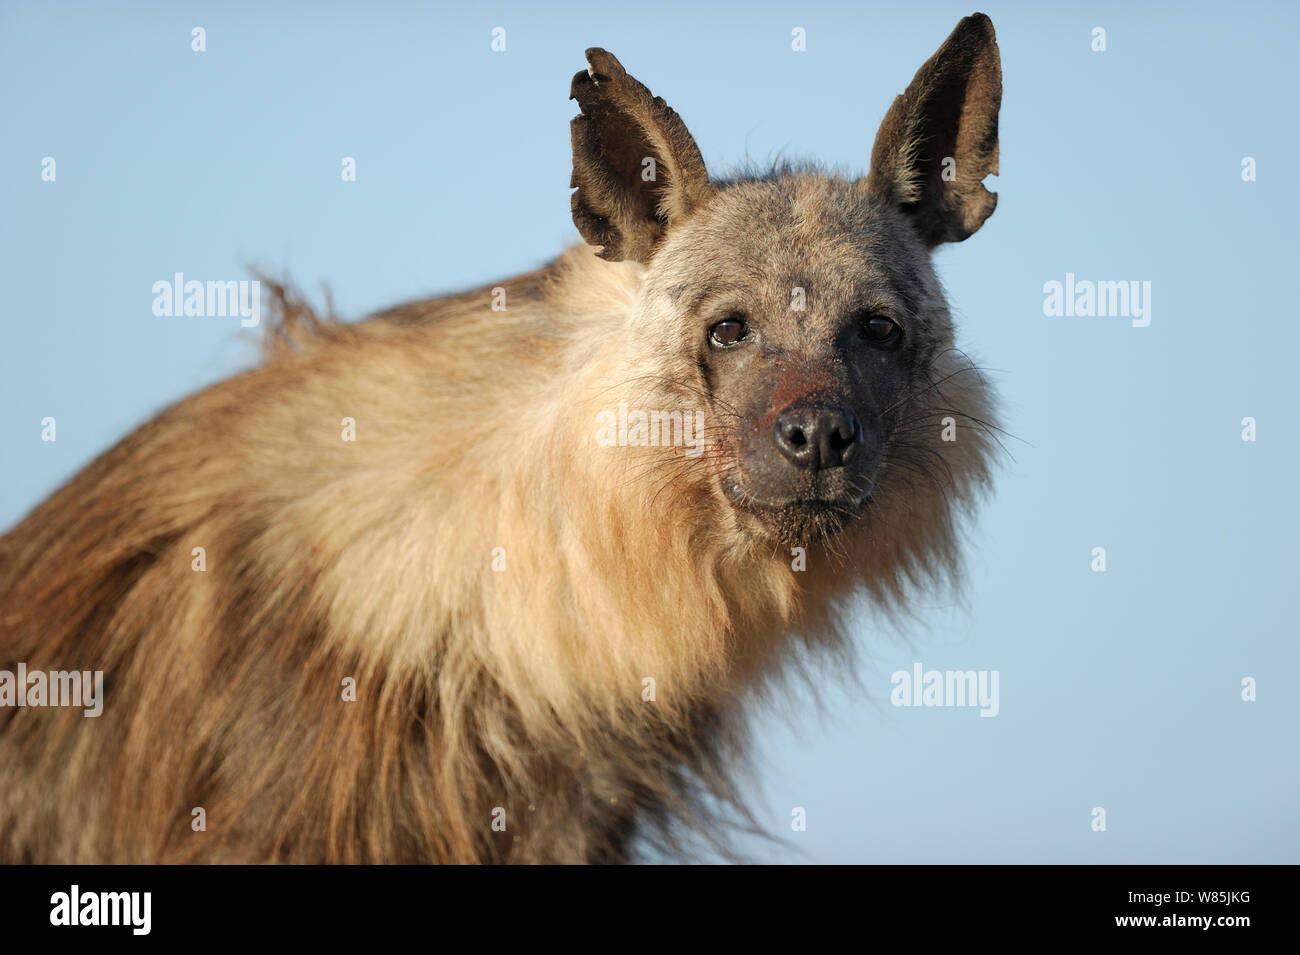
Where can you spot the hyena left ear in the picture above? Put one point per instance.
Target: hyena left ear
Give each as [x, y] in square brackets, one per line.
[637, 170]
[940, 138]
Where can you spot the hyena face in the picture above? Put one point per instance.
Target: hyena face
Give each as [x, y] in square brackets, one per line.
[808, 330]
[803, 308]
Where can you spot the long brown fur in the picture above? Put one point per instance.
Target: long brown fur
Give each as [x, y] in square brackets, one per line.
[515, 687]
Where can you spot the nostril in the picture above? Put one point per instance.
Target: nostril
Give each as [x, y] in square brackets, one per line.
[838, 434]
[841, 438]
[797, 439]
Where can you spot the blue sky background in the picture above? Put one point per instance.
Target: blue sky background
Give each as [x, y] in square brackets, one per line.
[1118, 689]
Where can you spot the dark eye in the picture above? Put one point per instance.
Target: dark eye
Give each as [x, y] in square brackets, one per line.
[880, 330]
[729, 331]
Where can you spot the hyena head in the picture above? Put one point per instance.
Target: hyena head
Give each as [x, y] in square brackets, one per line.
[802, 309]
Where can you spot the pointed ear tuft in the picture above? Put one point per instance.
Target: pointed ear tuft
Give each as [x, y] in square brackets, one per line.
[636, 168]
[940, 137]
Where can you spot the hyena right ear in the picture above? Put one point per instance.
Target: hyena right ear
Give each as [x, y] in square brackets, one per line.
[940, 138]
[637, 170]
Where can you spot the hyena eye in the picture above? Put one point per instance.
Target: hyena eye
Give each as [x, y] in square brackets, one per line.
[880, 330]
[729, 331]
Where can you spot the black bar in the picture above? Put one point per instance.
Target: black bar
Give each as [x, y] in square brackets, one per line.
[330, 904]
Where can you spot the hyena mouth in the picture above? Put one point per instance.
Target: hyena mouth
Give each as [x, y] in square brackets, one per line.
[802, 522]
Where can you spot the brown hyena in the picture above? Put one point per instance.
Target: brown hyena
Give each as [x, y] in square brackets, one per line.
[488, 584]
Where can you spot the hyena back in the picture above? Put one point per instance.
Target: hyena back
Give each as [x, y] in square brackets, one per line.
[452, 605]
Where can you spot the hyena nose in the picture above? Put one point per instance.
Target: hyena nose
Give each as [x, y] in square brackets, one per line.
[817, 438]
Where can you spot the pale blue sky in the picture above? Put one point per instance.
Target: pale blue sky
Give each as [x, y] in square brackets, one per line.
[1120, 689]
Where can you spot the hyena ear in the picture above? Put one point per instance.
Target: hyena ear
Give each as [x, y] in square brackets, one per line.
[637, 170]
[940, 138]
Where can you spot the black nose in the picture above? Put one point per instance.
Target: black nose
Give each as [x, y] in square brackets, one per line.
[817, 438]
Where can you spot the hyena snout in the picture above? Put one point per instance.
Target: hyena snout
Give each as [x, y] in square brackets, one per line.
[818, 437]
